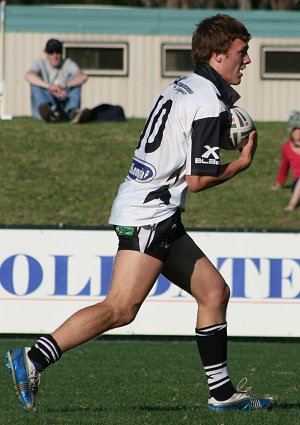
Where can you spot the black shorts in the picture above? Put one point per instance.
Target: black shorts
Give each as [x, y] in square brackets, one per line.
[154, 240]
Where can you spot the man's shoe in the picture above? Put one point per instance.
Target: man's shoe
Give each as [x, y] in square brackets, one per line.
[26, 378]
[48, 115]
[241, 400]
[81, 117]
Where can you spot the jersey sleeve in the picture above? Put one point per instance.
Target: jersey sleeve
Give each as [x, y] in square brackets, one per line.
[205, 145]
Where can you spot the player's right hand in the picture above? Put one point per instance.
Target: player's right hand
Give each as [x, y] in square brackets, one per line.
[247, 152]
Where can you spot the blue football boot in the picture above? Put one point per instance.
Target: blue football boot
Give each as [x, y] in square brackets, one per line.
[241, 400]
[26, 378]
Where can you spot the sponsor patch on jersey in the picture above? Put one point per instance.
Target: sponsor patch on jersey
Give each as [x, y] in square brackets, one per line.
[124, 230]
[141, 171]
[211, 156]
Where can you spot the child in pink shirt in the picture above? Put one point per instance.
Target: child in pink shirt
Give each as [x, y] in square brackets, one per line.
[290, 160]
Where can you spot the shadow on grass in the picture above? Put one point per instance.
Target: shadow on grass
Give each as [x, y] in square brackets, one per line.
[119, 409]
[279, 406]
[287, 406]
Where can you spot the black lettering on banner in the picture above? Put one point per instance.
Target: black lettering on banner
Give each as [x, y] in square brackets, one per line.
[157, 113]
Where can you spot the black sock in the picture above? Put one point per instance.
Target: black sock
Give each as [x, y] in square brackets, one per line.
[44, 352]
[212, 346]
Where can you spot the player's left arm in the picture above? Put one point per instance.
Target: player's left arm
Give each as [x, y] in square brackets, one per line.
[227, 171]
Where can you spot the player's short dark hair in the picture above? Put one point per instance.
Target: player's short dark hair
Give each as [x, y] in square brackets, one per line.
[215, 35]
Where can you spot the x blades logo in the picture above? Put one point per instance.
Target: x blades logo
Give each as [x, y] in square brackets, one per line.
[211, 156]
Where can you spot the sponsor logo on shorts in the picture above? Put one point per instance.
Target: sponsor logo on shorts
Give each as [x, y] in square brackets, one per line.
[124, 230]
[141, 171]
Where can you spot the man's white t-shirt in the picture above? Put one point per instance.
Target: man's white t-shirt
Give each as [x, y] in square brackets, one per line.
[66, 72]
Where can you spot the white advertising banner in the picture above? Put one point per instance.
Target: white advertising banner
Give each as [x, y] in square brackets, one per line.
[46, 275]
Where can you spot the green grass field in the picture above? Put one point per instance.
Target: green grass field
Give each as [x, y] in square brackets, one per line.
[127, 381]
[52, 174]
[70, 174]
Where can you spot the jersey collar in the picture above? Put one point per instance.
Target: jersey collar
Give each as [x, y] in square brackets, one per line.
[228, 95]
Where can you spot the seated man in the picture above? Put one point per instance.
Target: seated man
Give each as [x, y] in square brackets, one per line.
[55, 86]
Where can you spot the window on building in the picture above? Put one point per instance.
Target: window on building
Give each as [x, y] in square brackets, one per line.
[99, 58]
[176, 60]
[281, 62]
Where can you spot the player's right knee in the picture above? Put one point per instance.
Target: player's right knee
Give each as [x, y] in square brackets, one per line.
[122, 316]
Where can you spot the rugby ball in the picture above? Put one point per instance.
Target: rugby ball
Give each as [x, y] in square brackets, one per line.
[241, 127]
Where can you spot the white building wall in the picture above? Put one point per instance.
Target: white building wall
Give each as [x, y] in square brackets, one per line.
[266, 100]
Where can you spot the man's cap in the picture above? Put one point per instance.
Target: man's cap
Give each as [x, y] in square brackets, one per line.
[53, 46]
[294, 120]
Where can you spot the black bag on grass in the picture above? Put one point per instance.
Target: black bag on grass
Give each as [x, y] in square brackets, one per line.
[107, 112]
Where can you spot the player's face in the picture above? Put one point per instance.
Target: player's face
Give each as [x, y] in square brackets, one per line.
[296, 137]
[234, 62]
[54, 58]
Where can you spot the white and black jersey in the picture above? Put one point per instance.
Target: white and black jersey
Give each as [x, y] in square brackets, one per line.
[181, 137]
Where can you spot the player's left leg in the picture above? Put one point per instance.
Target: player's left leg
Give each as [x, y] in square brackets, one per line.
[191, 270]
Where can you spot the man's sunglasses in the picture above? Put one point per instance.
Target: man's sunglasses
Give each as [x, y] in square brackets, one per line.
[50, 52]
